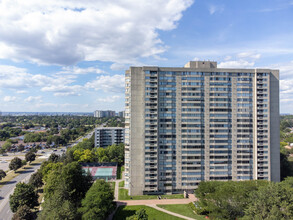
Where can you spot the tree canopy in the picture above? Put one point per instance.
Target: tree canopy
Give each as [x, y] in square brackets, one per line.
[23, 194]
[98, 202]
[30, 156]
[15, 164]
[66, 185]
[2, 174]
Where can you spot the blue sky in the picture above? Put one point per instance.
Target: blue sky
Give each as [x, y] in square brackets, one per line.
[62, 55]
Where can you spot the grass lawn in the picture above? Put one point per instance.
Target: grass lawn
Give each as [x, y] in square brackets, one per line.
[182, 209]
[14, 174]
[123, 195]
[121, 184]
[112, 185]
[125, 211]
[119, 172]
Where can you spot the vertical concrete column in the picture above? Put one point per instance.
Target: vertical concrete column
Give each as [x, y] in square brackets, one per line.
[234, 126]
[274, 131]
[137, 129]
[178, 132]
[254, 89]
[207, 125]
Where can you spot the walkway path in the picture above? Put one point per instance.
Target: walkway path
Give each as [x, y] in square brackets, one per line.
[170, 213]
[157, 201]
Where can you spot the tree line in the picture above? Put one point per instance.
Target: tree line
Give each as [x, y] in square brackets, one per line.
[255, 199]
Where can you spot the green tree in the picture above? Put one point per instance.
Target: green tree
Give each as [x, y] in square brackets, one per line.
[102, 155]
[48, 168]
[15, 164]
[286, 168]
[139, 215]
[7, 146]
[274, 201]
[84, 155]
[24, 213]
[116, 153]
[2, 150]
[36, 179]
[23, 194]
[65, 187]
[225, 200]
[54, 158]
[30, 156]
[98, 202]
[2, 174]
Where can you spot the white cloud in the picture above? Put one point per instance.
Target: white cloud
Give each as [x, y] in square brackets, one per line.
[19, 78]
[66, 32]
[115, 83]
[33, 99]
[110, 99]
[118, 66]
[249, 55]
[10, 99]
[21, 91]
[236, 64]
[215, 8]
[286, 69]
[80, 71]
[63, 94]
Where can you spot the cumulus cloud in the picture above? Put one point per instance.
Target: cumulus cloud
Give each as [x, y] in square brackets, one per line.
[19, 78]
[251, 55]
[21, 91]
[107, 83]
[80, 71]
[215, 8]
[33, 99]
[118, 66]
[110, 99]
[63, 94]
[286, 69]
[10, 99]
[236, 64]
[66, 32]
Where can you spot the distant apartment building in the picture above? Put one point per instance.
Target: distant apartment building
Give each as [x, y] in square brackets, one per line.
[106, 136]
[103, 114]
[199, 123]
[121, 114]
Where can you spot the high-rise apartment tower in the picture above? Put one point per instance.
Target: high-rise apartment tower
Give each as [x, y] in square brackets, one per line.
[200, 123]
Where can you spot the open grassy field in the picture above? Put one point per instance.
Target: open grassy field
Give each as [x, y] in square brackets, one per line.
[125, 211]
[123, 195]
[182, 209]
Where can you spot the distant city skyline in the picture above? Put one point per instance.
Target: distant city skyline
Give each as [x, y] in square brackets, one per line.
[64, 56]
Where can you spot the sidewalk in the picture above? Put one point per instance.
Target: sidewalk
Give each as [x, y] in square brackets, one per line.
[157, 201]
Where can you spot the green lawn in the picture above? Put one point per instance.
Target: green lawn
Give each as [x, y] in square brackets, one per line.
[125, 211]
[119, 172]
[123, 195]
[121, 184]
[182, 209]
[112, 185]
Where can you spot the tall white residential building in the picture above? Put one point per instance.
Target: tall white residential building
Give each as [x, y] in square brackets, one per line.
[200, 123]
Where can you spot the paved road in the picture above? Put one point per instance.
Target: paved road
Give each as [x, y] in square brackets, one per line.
[8, 188]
